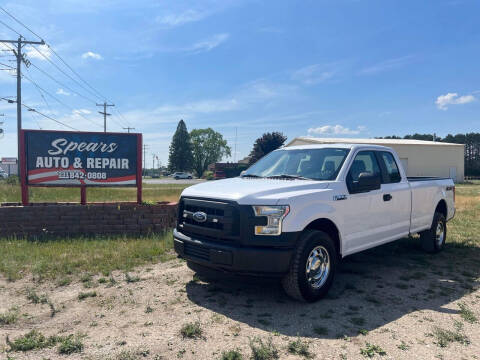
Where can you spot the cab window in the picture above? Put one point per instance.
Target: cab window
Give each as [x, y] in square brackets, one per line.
[391, 168]
[364, 162]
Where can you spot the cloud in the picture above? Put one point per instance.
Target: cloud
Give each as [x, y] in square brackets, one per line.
[209, 43]
[453, 99]
[81, 112]
[336, 130]
[62, 92]
[387, 65]
[187, 16]
[314, 74]
[37, 52]
[91, 55]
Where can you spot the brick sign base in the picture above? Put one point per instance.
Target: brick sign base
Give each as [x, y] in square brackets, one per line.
[92, 219]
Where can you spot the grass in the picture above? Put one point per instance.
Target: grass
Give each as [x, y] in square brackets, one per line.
[467, 314]
[231, 355]
[299, 347]
[34, 340]
[9, 317]
[150, 193]
[62, 258]
[263, 350]
[191, 330]
[85, 295]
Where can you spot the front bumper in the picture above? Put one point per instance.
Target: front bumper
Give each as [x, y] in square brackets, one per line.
[234, 258]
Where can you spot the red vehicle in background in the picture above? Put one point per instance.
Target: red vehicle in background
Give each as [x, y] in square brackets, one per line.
[219, 174]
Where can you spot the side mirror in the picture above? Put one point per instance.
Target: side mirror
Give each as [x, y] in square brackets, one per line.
[243, 172]
[366, 182]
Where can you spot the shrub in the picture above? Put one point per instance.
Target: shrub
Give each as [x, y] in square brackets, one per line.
[192, 330]
[263, 351]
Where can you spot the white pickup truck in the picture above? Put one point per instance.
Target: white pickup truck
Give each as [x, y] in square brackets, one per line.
[299, 210]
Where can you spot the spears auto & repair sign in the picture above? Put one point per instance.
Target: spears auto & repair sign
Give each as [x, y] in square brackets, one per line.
[80, 158]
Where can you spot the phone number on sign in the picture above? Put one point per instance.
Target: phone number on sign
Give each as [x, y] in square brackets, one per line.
[79, 175]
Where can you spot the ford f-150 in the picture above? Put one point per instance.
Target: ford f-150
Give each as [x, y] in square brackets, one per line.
[297, 211]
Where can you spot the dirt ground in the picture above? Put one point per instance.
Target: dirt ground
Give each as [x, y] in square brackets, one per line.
[394, 296]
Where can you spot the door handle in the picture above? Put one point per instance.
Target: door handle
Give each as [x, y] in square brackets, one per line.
[387, 197]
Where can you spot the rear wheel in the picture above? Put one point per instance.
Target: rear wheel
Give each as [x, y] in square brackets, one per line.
[312, 268]
[433, 239]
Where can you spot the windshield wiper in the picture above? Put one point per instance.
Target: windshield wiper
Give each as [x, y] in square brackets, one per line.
[287, 176]
[252, 176]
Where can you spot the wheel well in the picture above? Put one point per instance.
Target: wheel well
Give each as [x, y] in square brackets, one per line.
[442, 208]
[330, 228]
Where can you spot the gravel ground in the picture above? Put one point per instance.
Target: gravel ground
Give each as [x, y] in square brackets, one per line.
[404, 303]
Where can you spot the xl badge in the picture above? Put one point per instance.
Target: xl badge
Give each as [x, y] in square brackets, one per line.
[200, 216]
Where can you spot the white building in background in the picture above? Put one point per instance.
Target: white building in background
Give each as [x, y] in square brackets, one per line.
[419, 157]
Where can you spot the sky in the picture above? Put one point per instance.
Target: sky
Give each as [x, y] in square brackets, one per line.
[323, 68]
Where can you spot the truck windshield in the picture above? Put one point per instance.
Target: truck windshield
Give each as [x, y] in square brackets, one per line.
[304, 164]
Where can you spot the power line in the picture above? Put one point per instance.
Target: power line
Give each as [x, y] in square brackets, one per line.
[18, 21]
[61, 70]
[8, 26]
[40, 113]
[59, 101]
[61, 84]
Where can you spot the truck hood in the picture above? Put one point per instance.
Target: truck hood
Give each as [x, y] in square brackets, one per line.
[248, 191]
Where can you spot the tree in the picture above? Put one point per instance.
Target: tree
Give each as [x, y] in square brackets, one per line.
[180, 154]
[208, 147]
[266, 144]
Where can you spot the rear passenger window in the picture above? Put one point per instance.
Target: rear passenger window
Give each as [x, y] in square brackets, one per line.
[391, 167]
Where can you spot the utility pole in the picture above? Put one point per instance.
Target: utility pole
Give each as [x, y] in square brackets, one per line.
[128, 128]
[105, 114]
[18, 53]
[235, 149]
[145, 147]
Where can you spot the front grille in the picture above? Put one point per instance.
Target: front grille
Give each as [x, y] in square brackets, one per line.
[198, 251]
[221, 224]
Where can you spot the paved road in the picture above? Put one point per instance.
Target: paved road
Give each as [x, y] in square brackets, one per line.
[173, 181]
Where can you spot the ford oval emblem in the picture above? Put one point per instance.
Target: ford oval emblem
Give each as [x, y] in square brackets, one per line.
[200, 216]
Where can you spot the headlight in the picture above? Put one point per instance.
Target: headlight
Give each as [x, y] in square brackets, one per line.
[274, 215]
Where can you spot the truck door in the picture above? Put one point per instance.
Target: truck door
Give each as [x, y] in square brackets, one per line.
[397, 196]
[366, 216]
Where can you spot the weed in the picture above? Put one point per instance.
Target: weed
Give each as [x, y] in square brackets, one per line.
[131, 279]
[102, 280]
[401, 286]
[443, 337]
[149, 309]
[467, 314]
[231, 355]
[35, 298]
[30, 341]
[403, 346]
[299, 347]
[192, 330]
[9, 317]
[70, 344]
[264, 322]
[371, 349]
[373, 300]
[64, 281]
[84, 295]
[363, 332]
[320, 330]
[263, 350]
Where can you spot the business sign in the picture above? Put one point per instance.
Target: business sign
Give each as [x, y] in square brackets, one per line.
[9, 161]
[62, 158]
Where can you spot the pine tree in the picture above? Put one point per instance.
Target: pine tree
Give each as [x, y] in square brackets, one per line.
[180, 154]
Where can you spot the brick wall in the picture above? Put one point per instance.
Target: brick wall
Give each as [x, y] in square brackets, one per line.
[96, 218]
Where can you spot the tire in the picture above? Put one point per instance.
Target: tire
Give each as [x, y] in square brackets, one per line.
[296, 283]
[433, 239]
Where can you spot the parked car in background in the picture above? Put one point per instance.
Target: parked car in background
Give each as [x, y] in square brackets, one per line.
[299, 210]
[3, 174]
[181, 175]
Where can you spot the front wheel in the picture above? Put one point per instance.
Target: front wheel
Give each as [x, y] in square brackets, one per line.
[433, 239]
[312, 268]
